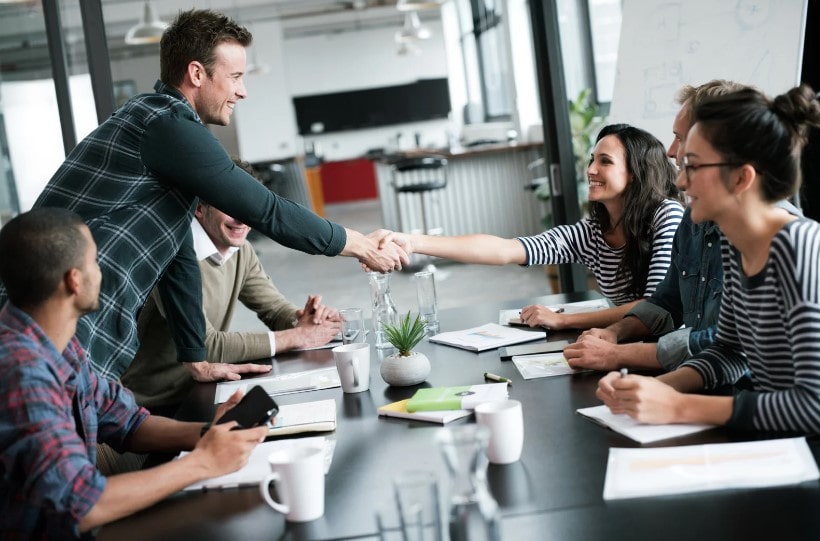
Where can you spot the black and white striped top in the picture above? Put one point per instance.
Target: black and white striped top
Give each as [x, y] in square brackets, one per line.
[770, 324]
[584, 243]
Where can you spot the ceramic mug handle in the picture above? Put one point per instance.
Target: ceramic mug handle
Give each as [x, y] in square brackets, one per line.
[264, 489]
[354, 362]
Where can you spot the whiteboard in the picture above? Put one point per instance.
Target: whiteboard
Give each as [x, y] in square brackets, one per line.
[665, 45]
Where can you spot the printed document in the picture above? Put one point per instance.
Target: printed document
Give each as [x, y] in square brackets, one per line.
[504, 316]
[543, 365]
[635, 430]
[310, 380]
[633, 473]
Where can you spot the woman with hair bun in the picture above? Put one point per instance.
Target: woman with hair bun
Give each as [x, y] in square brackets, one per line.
[742, 155]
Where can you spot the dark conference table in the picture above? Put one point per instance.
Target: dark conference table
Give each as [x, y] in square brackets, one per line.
[554, 492]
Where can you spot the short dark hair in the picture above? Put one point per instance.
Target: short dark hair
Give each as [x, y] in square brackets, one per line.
[653, 181]
[37, 248]
[193, 36]
[748, 127]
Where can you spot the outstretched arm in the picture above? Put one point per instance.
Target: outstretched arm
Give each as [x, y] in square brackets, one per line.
[479, 248]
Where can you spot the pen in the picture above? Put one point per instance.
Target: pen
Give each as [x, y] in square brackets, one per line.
[500, 379]
[559, 311]
[624, 372]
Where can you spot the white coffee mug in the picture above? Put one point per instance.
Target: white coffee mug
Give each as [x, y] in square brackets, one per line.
[353, 364]
[506, 423]
[299, 474]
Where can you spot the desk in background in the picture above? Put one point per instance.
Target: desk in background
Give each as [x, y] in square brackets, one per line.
[553, 493]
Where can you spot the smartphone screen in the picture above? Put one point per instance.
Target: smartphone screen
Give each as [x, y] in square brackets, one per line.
[256, 408]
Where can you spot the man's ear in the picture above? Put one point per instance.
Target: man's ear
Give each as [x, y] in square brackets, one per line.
[200, 211]
[196, 73]
[72, 281]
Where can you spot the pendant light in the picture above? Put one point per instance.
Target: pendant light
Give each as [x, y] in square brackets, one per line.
[148, 30]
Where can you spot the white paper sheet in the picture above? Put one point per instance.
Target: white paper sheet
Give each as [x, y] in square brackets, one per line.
[504, 316]
[257, 467]
[543, 365]
[633, 473]
[640, 432]
[310, 380]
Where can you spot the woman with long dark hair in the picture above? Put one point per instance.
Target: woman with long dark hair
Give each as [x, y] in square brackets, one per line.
[625, 242]
[742, 155]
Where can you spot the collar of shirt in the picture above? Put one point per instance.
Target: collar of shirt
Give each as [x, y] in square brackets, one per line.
[19, 321]
[205, 247]
[162, 88]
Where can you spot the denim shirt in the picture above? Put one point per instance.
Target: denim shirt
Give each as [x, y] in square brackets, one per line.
[688, 295]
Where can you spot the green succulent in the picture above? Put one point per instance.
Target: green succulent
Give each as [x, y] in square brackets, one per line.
[406, 334]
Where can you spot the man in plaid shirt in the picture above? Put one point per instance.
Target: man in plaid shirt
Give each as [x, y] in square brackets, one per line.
[136, 180]
[55, 408]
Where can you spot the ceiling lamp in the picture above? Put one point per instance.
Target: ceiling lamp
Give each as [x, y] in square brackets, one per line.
[148, 30]
[416, 5]
[412, 30]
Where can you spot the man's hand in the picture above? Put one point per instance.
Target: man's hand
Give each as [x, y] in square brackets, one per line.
[222, 450]
[315, 312]
[593, 353]
[604, 334]
[540, 316]
[310, 335]
[204, 371]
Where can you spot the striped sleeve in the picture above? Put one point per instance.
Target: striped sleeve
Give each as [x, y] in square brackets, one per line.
[667, 219]
[793, 376]
[562, 244]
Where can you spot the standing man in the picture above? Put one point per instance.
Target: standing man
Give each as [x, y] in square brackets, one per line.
[136, 179]
[231, 272]
[56, 409]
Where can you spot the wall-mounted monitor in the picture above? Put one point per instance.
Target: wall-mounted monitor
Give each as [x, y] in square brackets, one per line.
[426, 99]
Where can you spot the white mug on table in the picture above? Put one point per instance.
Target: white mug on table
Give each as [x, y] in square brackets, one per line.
[506, 423]
[353, 364]
[299, 474]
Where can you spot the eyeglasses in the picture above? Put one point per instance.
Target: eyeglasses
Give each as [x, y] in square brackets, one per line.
[688, 168]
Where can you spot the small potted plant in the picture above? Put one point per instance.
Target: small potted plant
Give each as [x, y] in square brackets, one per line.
[405, 367]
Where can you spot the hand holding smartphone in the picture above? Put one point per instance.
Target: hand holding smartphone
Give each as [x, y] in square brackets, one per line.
[255, 409]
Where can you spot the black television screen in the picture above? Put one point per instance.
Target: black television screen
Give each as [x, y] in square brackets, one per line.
[425, 99]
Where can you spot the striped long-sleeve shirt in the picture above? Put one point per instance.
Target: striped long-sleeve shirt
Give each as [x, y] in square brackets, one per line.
[584, 243]
[770, 324]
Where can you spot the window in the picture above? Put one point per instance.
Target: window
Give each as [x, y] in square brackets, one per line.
[486, 60]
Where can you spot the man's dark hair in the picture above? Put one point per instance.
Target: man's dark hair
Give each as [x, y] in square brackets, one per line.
[37, 248]
[193, 36]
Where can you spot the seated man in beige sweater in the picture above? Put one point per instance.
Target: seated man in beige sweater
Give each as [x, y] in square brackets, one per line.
[231, 272]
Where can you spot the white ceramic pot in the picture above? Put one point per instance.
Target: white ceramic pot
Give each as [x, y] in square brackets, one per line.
[403, 371]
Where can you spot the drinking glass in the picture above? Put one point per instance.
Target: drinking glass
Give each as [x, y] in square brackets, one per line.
[353, 330]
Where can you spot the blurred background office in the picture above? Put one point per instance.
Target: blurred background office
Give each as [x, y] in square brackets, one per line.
[338, 91]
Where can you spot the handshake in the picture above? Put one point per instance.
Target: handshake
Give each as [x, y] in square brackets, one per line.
[387, 251]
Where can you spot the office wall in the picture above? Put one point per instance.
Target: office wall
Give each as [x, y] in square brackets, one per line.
[364, 59]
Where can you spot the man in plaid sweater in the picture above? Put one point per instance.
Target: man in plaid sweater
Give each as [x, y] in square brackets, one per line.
[136, 180]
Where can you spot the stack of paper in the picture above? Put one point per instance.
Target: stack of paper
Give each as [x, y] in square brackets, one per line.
[635, 430]
[322, 378]
[541, 366]
[317, 416]
[489, 336]
[633, 473]
[504, 316]
[399, 409]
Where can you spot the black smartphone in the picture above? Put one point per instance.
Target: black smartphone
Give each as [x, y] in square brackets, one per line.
[516, 322]
[506, 353]
[256, 408]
